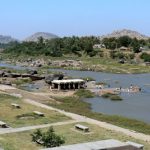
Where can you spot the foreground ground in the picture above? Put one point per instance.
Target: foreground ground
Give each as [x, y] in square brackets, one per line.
[14, 141]
[9, 114]
[20, 137]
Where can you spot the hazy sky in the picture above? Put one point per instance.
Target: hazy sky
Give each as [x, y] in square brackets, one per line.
[21, 18]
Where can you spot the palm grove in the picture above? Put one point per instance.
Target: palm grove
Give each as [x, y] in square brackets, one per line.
[75, 45]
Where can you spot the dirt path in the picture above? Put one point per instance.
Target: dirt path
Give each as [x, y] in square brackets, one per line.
[24, 94]
[14, 130]
[105, 125]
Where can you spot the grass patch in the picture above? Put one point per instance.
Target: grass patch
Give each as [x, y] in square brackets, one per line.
[28, 116]
[10, 115]
[82, 93]
[24, 140]
[75, 105]
[21, 81]
[113, 97]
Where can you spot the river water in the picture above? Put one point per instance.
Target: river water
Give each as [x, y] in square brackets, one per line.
[134, 105]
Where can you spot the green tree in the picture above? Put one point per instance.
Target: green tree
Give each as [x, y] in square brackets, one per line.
[125, 41]
[145, 57]
[37, 135]
[47, 139]
[136, 45]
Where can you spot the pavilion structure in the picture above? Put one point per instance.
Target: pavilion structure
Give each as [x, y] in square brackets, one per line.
[68, 84]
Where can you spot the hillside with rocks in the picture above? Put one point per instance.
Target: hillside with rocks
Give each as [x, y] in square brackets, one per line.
[6, 39]
[125, 32]
[46, 36]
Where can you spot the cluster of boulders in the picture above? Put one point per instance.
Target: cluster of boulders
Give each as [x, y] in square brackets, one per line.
[9, 74]
[32, 74]
[66, 63]
[58, 63]
[32, 63]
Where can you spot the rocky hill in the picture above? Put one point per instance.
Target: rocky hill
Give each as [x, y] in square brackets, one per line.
[6, 39]
[46, 36]
[125, 32]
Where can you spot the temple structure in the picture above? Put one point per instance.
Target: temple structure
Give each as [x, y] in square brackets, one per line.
[69, 84]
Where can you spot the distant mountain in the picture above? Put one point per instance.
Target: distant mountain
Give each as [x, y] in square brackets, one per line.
[125, 32]
[46, 36]
[6, 39]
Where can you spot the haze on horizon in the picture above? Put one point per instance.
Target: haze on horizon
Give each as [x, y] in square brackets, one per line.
[73, 17]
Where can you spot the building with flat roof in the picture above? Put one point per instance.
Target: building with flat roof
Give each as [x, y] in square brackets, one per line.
[110, 144]
[67, 84]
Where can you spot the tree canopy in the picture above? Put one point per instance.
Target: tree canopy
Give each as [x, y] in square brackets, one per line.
[48, 138]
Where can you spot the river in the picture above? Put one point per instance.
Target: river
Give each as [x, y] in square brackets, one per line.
[134, 105]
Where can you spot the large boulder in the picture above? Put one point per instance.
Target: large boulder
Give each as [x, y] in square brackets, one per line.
[6, 74]
[32, 72]
[2, 73]
[15, 75]
[51, 77]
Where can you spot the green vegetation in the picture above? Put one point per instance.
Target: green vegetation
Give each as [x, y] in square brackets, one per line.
[21, 81]
[75, 105]
[23, 117]
[48, 138]
[79, 46]
[134, 44]
[55, 47]
[145, 57]
[14, 141]
[112, 66]
[88, 79]
[113, 97]
[28, 116]
[95, 59]
[3, 45]
[82, 93]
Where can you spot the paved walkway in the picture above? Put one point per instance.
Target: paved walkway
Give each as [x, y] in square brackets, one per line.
[80, 118]
[105, 125]
[14, 130]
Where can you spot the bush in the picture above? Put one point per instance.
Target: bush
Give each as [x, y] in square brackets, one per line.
[145, 57]
[120, 55]
[107, 95]
[47, 139]
[113, 97]
[22, 81]
[28, 116]
[84, 93]
[131, 56]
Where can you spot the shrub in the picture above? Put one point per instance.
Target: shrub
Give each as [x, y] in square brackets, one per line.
[113, 97]
[145, 57]
[84, 93]
[22, 81]
[47, 139]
